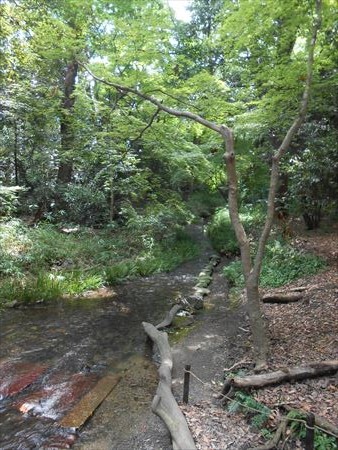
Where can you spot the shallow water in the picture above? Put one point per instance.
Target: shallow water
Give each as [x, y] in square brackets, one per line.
[51, 355]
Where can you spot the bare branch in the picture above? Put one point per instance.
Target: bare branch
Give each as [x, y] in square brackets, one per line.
[147, 126]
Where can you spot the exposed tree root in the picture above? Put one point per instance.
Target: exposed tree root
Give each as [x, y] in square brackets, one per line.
[164, 403]
[274, 441]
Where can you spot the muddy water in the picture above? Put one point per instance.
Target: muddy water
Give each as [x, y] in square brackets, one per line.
[52, 355]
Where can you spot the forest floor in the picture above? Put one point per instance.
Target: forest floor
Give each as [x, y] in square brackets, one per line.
[300, 333]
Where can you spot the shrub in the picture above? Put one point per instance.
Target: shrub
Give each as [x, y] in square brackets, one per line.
[222, 234]
[281, 265]
[9, 199]
[203, 203]
[158, 222]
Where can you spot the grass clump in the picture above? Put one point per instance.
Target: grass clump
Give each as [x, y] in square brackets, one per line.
[161, 258]
[281, 265]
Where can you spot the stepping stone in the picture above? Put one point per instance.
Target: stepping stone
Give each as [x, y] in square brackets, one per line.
[201, 290]
[90, 402]
[16, 376]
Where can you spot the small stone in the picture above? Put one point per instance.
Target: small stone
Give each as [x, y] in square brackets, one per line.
[202, 290]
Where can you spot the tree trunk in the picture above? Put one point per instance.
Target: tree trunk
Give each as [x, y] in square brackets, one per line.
[65, 170]
[16, 149]
[257, 324]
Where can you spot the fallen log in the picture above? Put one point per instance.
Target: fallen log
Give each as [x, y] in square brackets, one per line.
[299, 289]
[164, 404]
[282, 298]
[311, 370]
[169, 317]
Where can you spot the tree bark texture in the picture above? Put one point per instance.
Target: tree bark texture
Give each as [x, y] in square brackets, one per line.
[282, 298]
[169, 317]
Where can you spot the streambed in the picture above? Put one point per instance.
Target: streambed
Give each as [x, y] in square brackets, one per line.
[51, 355]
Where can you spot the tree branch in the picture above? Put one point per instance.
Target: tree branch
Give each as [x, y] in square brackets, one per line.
[286, 142]
[172, 111]
[147, 126]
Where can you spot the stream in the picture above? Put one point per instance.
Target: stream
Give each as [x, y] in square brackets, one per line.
[52, 355]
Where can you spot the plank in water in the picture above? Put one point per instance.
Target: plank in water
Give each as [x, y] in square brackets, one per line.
[90, 402]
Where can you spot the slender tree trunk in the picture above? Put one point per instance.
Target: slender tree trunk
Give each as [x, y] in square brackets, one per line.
[16, 149]
[257, 323]
[251, 274]
[112, 202]
[65, 170]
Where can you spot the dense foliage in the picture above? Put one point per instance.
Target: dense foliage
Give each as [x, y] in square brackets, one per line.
[281, 265]
[77, 152]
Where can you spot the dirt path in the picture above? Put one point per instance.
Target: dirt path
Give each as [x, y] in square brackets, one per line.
[215, 343]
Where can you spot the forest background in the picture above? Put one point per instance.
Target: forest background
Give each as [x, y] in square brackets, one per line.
[98, 184]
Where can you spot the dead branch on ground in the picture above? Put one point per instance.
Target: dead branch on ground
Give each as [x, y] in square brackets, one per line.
[311, 370]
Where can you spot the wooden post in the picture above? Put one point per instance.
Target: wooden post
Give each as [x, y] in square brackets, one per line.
[310, 432]
[186, 383]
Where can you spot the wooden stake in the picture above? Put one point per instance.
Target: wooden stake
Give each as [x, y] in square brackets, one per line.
[310, 432]
[186, 383]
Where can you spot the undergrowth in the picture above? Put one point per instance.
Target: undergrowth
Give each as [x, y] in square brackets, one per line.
[258, 415]
[322, 441]
[281, 265]
[45, 263]
[222, 234]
